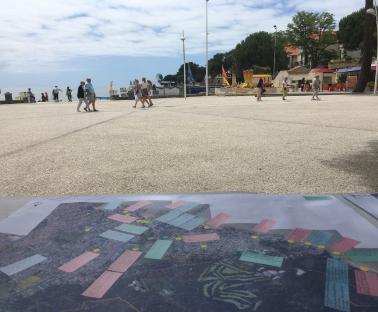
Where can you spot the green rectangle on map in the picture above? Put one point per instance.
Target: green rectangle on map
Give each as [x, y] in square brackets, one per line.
[133, 229]
[363, 255]
[254, 257]
[158, 249]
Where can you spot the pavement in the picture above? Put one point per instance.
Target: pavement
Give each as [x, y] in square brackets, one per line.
[215, 144]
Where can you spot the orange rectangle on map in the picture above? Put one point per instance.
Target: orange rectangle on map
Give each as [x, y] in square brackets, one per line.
[123, 218]
[342, 245]
[200, 238]
[138, 205]
[125, 261]
[176, 204]
[78, 262]
[264, 226]
[218, 220]
[299, 235]
[102, 284]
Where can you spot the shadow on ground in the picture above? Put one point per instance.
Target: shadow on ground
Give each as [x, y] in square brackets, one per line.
[364, 164]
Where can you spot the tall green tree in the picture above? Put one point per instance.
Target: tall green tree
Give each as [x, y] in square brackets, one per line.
[367, 49]
[313, 32]
[198, 72]
[254, 52]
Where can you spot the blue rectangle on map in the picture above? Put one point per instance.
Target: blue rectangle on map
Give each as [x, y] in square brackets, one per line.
[22, 265]
[192, 224]
[187, 207]
[185, 217]
[118, 236]
[337, 285]
[169, 216]
[113, 205]
[320, 237]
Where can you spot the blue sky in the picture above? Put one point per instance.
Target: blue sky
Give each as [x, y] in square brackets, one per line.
[63, 41]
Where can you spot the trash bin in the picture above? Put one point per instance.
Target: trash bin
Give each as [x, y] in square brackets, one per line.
[8, 97]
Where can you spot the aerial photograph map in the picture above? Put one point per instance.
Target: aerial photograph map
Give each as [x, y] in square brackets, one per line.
[188, 156]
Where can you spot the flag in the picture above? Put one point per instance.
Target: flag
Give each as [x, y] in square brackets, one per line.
[190, 75]
[224, 75]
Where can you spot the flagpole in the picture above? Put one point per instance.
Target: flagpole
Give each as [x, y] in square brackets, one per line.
[207, 51]
[183, 53]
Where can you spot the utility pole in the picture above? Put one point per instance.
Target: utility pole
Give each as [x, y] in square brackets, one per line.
[275, 47]
[207, 50]
[183, 53]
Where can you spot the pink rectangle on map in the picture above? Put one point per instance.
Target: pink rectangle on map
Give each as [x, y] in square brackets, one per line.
[218, 220]
[200, 238]
[366, 283]
[102, 284]
[299, 235]
[343, 244]
[264, 226]
[123, 218]
[125, 261]
[78, 262]
[176, 204]
[138, 205]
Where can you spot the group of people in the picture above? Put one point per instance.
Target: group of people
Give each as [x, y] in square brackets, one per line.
[87, 95]
[285, 89]
[143, 93]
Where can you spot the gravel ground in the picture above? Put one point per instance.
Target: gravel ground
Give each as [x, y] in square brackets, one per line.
[215, 144]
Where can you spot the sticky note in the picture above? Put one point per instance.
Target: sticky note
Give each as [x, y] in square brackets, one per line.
[337, 285]
[316, 198]
[138, 205]
[320, 237]
[264, 226]
[342, 245]
[176, 204]
[125, 261]
[299, 235]
[102, 284]
[200, 238]
[193, 223]
[113, 205]
[123, 218]
[203, 246]
[133, 229]
[218, 220]
[29, 281]
[169, 216]
[22, 265]
[121, 237]
[186, 207]
[158, 249]
[249, 256]
[185, 217]
[363, 255]
[366, 283]
[78, 262]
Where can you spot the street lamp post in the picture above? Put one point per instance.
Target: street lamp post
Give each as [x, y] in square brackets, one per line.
[207, 51]
[275, 47]
[183, 53]
[375, 13]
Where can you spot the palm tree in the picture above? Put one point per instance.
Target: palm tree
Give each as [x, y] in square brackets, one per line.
[367, 52]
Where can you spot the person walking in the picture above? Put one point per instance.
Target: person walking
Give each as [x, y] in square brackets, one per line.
[91, 94]
[81, 97]
[144, 89]
[55, 93]
[69, 94]
[150, 92]
[30, 95]
[137, 89]
[285, 88]
[260, 89]
[46, 97]
[43, 98]
[316, 88]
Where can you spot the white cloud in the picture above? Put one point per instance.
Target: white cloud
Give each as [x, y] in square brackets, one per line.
[43, 33]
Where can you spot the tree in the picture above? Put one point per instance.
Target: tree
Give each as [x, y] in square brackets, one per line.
[313, 32]
[367, 49]
[351, 34]
[170, 78]
[198, 72]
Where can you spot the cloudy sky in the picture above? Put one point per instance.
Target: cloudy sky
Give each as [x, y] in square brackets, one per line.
[44, 42]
